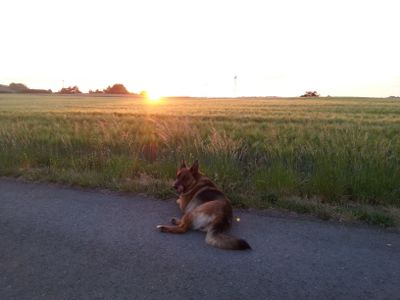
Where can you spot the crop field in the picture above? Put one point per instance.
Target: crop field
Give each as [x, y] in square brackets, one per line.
[336, 158]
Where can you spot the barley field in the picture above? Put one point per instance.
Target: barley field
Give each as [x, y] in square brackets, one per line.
[336, 158]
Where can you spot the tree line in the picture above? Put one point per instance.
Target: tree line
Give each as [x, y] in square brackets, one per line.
[117, 88]
[21, 88]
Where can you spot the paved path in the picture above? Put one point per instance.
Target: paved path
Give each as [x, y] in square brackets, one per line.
[64, 243]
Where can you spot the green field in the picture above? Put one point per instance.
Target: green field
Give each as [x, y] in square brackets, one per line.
[335, 158]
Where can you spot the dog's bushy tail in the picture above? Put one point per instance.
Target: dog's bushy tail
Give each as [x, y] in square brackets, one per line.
[224, 241]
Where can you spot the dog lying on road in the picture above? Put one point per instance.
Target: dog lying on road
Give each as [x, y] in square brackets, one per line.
[204, 208]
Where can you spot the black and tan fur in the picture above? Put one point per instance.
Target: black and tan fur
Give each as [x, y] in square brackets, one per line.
[204, 208]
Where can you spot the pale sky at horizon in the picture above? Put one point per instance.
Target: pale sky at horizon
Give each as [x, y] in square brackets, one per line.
[195, 48]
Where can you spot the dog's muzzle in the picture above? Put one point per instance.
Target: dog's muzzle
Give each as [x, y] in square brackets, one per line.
[179, 188]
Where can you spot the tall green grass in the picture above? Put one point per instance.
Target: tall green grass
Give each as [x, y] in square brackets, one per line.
[323, 156]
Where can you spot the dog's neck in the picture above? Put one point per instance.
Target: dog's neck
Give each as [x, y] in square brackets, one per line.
[192, 190]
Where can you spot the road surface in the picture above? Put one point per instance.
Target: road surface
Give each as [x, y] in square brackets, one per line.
[65, 243]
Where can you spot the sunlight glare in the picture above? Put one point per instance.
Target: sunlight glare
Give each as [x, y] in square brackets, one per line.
[153, 97]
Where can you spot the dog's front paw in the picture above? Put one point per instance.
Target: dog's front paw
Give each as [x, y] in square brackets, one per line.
[162, 228]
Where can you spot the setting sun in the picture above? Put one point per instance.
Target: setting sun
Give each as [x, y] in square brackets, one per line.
[153, 97]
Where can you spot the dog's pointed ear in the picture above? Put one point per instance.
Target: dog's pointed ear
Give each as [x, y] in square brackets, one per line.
[183, 164]
[195, 167]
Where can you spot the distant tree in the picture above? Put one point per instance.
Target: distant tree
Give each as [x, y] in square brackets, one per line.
[144, 94]
[39, 91]
[310, 94]
[116, 89]
[18, 87]
[97, 91]
[5, 89]
[70, 90]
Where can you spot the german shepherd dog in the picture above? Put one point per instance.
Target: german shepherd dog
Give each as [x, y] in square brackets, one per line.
[204, 208]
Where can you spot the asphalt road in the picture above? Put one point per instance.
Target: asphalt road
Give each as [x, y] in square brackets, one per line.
[65, 243]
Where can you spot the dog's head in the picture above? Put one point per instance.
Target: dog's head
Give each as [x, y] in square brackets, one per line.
[186, 177]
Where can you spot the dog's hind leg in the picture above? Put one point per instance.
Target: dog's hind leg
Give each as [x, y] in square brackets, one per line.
[175, 221]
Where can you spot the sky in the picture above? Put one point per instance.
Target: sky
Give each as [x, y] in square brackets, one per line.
[197, 48]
